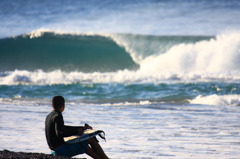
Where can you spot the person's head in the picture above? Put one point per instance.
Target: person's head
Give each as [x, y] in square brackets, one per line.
[58, 103]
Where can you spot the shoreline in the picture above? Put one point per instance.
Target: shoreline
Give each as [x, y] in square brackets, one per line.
[28, 155]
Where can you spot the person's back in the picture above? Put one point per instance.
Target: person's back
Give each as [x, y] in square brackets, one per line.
[54, 140]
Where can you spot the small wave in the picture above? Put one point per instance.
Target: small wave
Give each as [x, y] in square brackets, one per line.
[232, 100]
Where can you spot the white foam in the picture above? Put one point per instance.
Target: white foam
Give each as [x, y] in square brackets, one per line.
[216, 55]
[40, 77]
[38, 33]
[231, 100]
[128, 103]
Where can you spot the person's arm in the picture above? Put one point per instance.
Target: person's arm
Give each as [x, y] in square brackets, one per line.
[59, 126]
[75, 130]
[65, 131]
[62, 130]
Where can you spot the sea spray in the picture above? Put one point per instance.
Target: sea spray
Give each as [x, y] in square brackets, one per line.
[218, 54]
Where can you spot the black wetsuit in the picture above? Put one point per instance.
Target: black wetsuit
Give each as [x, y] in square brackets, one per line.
[55, 130]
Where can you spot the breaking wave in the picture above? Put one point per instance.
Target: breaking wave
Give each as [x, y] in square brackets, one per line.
[45, 57]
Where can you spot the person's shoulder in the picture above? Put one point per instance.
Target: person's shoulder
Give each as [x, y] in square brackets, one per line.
[54, 114]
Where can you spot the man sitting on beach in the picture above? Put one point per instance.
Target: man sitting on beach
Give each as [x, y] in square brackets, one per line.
[56, 130]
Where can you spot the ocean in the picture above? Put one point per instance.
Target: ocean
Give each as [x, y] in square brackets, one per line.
[161, 78]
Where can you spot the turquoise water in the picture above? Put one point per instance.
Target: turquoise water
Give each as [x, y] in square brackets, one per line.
[65, 52]
[177, 93]
[161, 78]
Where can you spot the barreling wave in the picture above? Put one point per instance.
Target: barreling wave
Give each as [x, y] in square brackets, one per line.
[44, 57]
[50, 51]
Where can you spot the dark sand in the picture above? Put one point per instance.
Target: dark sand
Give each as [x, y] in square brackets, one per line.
[24, 155]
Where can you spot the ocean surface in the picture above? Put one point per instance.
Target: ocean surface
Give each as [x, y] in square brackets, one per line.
[161, 78]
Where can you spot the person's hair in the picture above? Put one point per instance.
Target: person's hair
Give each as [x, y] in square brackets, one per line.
[58, 102]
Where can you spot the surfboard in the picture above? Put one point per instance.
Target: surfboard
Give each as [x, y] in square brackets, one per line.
[86, 135]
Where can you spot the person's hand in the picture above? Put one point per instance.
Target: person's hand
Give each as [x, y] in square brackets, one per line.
[86, 126]
[80, 131]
